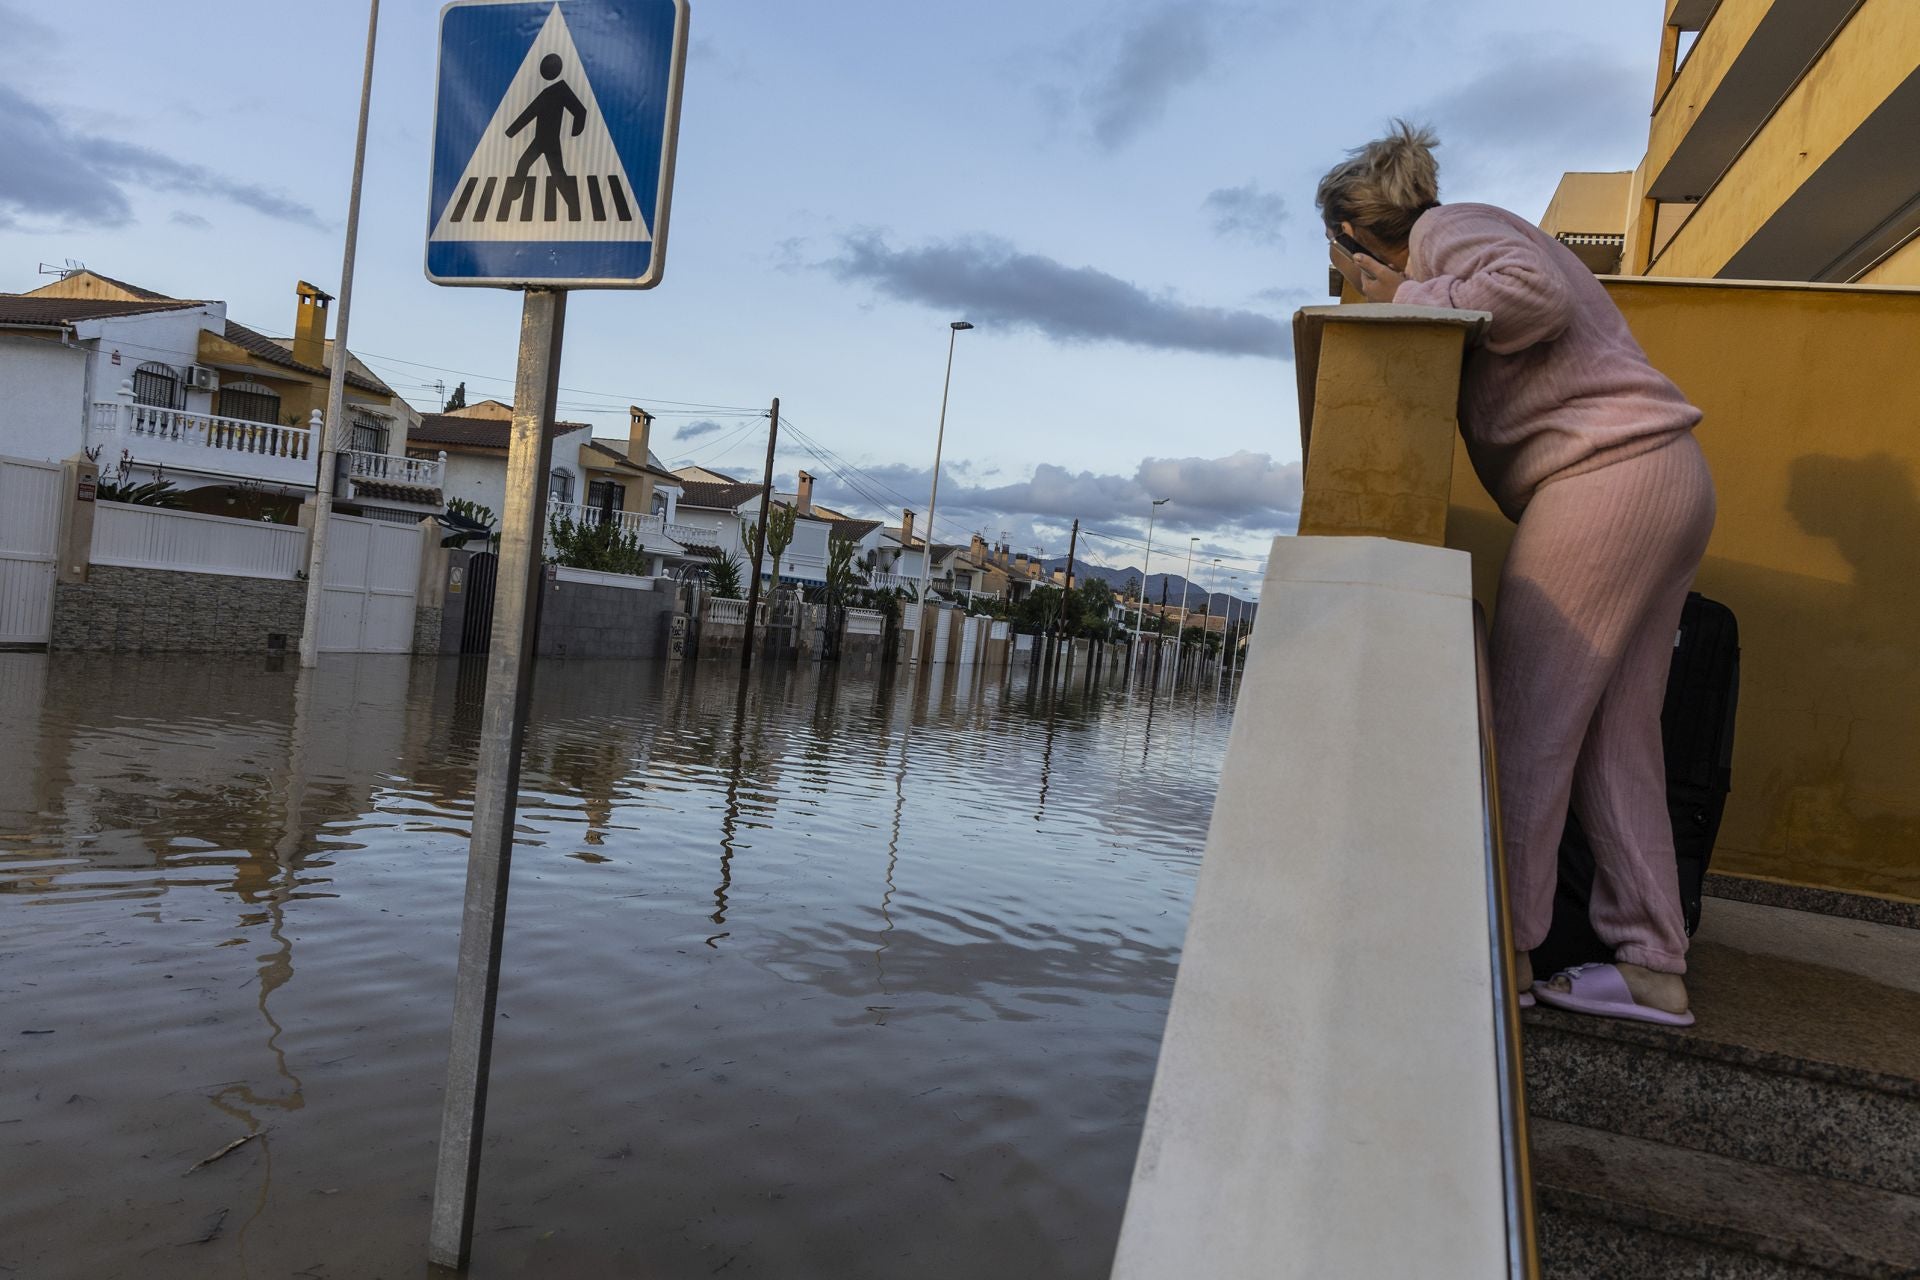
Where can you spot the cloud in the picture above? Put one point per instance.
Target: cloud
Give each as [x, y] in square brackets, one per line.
[1144, 65]
[193, 221]
[990, 282]
[1246, 493]
[1247, 213]
[694, 430]
[1544, 106]
[26, 34]
[50, 171]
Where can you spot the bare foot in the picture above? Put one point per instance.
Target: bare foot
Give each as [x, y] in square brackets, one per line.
[1663, 991]
[1666, 992]
[1523, 971]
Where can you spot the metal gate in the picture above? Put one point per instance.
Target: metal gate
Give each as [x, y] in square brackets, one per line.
[30, 494]
[476, 629]
[373, 570]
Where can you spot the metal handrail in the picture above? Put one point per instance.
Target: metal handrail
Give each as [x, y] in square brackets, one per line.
[1523, 1249]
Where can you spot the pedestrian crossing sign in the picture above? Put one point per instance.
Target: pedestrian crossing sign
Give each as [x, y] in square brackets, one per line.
[553, 142]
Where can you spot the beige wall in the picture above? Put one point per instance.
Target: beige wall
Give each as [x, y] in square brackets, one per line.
[1812, 402]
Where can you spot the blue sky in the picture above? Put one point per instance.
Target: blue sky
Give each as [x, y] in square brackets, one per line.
[1118, 194]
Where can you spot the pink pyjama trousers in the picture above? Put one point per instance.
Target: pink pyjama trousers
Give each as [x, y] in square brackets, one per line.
[1583, 636]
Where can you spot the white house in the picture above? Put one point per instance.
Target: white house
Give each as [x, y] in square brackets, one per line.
[156, 387]
[591, 480]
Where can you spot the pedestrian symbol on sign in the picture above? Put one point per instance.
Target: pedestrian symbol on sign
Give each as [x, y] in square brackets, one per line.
[545, 147]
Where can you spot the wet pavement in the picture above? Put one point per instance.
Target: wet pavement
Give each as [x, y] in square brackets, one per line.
[804, 976]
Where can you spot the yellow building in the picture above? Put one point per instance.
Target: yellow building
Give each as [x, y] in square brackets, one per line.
[1781, 147]
[1764, 253]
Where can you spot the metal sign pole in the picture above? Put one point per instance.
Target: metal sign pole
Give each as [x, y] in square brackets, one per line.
[497, 779]
[327, 445]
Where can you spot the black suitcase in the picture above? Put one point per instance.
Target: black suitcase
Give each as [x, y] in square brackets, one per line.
[1696, 729]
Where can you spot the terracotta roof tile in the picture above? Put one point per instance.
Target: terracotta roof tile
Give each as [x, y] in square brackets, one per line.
[480, 433]
[716, 497]
[20, 308]
[272, 352]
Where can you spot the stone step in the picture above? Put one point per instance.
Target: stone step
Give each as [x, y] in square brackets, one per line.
[1613, 1207]
[1805, 1055]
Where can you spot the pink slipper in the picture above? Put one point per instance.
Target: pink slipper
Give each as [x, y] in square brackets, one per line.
[1600, 990]
[1526, 999]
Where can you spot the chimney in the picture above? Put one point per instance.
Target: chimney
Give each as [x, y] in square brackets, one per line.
[639, 429]
[803, 505]
[310, 326]
[1020, 561]
[906, 529]
[978, 551]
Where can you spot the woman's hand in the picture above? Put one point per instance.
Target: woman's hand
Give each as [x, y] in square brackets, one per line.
[1378, 281]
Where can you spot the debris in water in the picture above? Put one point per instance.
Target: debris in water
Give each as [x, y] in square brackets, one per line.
[231, 1147]
[47, 1032]
[213, 1229]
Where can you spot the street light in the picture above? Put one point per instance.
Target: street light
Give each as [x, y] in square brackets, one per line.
[939, 442]
[1186, 584]
[1226, 649]
[1140, 616]
[1213, 581]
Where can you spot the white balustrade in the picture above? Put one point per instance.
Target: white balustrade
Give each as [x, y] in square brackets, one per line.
[692, 535]
[725, 612]
[893, 582]
[203, 442]
[629, 521]
[423, 472]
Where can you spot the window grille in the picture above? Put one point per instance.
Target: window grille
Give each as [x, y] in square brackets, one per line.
[158, 385]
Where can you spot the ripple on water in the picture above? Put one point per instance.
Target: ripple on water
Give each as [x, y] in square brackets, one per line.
[789, 988]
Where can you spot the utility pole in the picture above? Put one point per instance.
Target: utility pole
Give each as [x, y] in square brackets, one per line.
[337, 380]
[1066, 586]
[760, 540]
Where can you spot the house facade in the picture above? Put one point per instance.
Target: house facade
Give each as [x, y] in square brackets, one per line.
[157, 388]
[591, 480]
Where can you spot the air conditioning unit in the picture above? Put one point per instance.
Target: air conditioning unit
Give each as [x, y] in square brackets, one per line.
[201, 378]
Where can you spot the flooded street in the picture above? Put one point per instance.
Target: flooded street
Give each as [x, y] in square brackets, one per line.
[806, 976]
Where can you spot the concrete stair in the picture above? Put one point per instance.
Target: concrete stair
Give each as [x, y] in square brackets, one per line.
[1778, 1138]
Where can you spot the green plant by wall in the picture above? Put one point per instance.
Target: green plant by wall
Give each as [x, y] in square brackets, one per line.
[779, 538]
[603, 547]
[724, 575]
[153, 493]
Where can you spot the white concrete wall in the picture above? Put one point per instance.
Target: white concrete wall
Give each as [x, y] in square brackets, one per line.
[1326, 1103]
[122, 344]
[806, 558]
[482, 478]
[42, 398]
[725, 526]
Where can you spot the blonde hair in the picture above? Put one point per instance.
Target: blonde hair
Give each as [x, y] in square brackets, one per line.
[1385, 185]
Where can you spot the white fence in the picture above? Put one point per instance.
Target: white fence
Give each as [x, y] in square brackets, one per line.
[865, 622]
[31, 494]
[594, 577]
[1000, 630]
[186, 542]
[893, 582]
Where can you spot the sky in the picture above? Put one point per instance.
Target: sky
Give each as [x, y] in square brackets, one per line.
[1118, 194]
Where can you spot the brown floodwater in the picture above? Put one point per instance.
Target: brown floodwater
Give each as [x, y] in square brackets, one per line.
[810, 975]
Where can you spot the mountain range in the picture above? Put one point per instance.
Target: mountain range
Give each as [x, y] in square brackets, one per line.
[1117, 578]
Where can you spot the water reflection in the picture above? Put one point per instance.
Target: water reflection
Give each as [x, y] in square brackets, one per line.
[860, 965]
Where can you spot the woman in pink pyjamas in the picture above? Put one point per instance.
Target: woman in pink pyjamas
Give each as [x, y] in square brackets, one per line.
[1590, 450]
